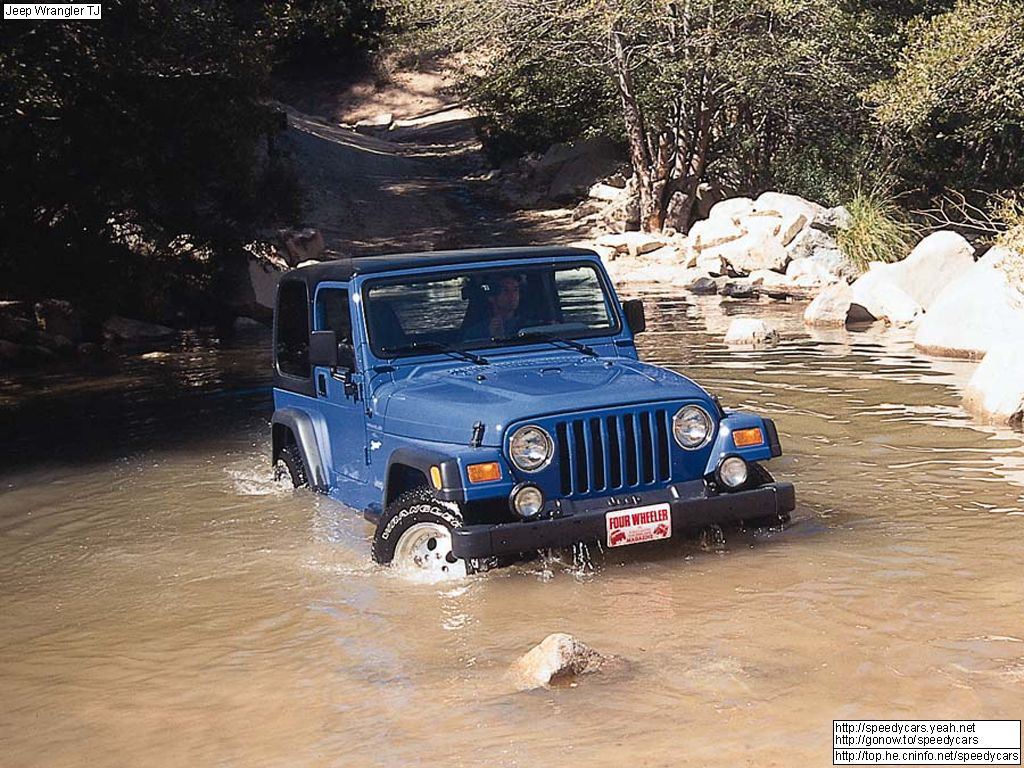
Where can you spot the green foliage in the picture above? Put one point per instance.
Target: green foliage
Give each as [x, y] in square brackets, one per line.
[527, 104]
[313, 34]
[956, 101]
[879, 230]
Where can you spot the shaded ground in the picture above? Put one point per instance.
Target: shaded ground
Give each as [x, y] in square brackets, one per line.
[420, 186]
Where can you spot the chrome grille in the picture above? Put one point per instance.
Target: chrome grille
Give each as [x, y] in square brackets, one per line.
[609, 453]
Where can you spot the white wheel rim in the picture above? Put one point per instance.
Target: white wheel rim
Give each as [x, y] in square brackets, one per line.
[427, 548]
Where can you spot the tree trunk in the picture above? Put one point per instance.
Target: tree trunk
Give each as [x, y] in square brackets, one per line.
[648, 188]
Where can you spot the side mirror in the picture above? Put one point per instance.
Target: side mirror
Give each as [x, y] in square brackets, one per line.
[346, 356]
[635, 318]
[323, 349]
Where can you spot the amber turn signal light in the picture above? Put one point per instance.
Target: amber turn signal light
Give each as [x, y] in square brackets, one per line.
[483, 473]
[744, 438]
[435, 477]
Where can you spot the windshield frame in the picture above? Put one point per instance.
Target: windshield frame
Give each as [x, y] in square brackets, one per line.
[512, 343]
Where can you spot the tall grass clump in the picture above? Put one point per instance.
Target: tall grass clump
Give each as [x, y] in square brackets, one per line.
[879, 230]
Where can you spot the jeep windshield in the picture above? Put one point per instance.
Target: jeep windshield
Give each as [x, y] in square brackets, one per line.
[458, 310]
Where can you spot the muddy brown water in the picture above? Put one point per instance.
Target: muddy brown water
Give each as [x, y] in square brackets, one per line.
[164, 604]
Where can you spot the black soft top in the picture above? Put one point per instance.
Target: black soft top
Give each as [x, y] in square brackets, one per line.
[341, 270]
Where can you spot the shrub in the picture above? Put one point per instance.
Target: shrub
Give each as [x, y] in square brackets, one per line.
[879, 230]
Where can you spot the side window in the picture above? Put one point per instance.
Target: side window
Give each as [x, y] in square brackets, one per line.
[332, 313]
[293, 329]
[581, 298]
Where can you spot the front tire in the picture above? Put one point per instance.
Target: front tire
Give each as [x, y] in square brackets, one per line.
[289, 467]
[415, 533]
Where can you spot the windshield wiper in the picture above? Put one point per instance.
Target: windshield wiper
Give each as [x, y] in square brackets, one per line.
[541, 336]
[434, 346]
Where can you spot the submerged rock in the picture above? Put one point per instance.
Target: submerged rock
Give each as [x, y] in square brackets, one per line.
[557, 657]
[751, 331]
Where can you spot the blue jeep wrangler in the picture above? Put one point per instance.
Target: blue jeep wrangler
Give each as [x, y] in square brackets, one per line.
[480, 404]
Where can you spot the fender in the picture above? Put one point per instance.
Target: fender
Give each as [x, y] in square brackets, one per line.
[301, 426]
[422, 459]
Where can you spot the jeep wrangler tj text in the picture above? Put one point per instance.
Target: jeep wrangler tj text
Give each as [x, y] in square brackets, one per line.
[484, 403]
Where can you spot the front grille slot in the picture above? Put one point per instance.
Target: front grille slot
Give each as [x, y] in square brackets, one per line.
[611, 453]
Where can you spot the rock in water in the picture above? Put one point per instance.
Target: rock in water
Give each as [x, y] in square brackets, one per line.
[831, 307]
[979, 307]
[995, 393]
[558, 656]
[751, 331]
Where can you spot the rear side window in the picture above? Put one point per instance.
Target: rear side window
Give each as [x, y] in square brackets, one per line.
[293, 330]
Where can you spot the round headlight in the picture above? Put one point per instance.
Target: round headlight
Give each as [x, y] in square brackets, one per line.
[733, 472]
[531, 448]
[527, 500]
[691, 427]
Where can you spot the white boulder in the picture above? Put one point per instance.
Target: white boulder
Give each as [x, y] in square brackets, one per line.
[769, 278]
[751, 330]
[809, 272]
[755, 250]
[831, 307]
[879, 291]
[733, 209]
[977, 308]
[712, 264]
[788, 205]
[712, 233]
[791, 226]
[557, 656]
[933, 263]
[606, 193]
[376, 124]
[632, 243]
[995, 393]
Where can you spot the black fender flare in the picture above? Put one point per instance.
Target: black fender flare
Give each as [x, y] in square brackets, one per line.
[421, 460]
[300, 424]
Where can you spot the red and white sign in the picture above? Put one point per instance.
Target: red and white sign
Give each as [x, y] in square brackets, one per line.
[635, 526]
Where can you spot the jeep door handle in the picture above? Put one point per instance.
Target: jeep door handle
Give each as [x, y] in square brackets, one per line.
[321, 384]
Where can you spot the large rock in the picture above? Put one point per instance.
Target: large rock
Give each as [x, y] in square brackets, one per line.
[126, 330]
[632, 243]
[571, 169]
[712, 233]
[995, 393]
[558, 657]
[251, 280]
[880, 292]
[750, 331]
[302, 245]
[806, 273]
[606, 192]
[833, 220]
[755, 250]
[59, 318]
[976, 309]
[788, 205]
[734, 209]
[934, 262]
[768, 278]
[376, 124]
[831, 307]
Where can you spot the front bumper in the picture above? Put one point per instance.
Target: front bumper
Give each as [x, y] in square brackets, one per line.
[692, 506]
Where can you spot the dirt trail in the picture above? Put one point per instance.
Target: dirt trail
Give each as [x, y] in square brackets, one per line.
[420, 186]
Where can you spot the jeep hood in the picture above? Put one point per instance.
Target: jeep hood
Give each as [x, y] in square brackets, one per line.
[441, 404]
